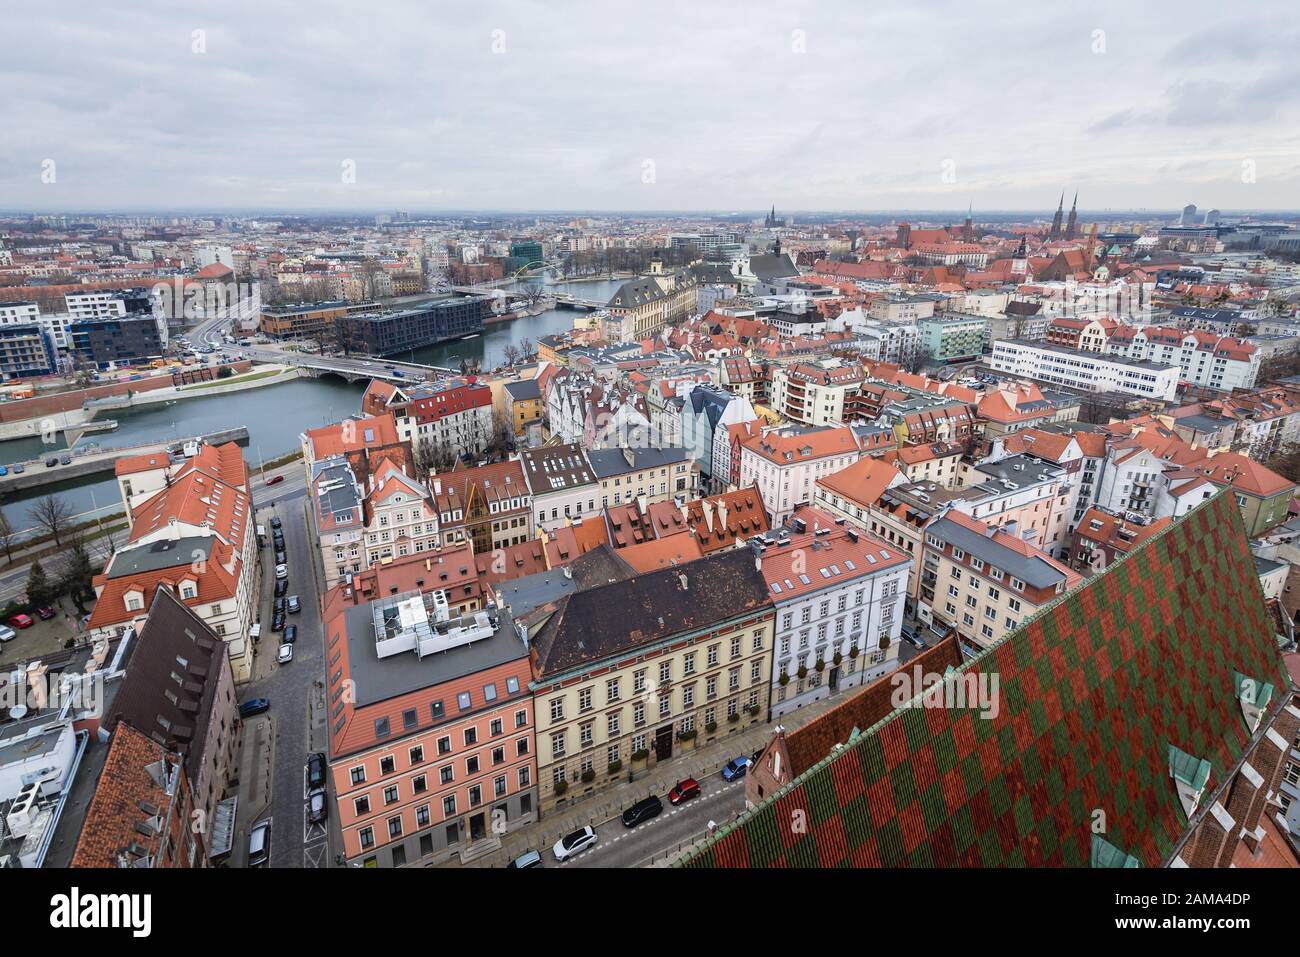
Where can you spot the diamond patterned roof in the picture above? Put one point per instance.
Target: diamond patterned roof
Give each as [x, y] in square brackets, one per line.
[1094, 691]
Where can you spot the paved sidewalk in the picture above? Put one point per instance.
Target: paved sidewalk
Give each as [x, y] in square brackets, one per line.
[706, 760]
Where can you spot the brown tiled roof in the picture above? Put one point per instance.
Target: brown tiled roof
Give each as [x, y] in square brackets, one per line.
[814, 741]
[115, 810]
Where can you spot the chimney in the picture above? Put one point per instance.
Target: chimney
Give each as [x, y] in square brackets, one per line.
[758, 561]
[707, 506]
[722, 513]
[36, 684]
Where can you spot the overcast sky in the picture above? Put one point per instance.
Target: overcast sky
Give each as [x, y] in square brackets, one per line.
[649, 106]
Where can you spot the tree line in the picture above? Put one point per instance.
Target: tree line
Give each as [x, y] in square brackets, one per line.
[73, 568]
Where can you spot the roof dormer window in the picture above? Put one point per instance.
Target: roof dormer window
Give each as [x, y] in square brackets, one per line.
[1254, 697]
[1190, 775]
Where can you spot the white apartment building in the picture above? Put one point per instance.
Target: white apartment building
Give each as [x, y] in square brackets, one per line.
[400, 516]
[814, 393]
[839, 596]
[786, 463]
[1084, 370]
[1206, 359]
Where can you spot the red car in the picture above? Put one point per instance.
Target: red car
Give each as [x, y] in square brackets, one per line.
[21, 621]
[45, 613]
[275, 480]
[684, 791]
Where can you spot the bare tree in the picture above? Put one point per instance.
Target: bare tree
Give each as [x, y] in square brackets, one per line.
[511, 354]
[526, 349]
[52, 514]
[432, 457]
[6, 536]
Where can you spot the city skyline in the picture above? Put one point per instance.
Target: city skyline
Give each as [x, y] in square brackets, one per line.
[815, 108]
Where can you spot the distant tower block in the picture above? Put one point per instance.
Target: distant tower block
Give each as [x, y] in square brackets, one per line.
[1212, 217]
[1189, 213]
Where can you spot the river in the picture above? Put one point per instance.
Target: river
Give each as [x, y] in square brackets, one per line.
[274, 415]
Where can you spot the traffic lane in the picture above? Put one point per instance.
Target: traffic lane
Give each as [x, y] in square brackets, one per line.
[619, 846]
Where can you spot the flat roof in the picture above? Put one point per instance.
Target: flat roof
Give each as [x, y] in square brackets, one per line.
[379, 679]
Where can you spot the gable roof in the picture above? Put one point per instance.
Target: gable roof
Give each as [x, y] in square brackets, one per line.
[609, 619]
[1093, 691]
[173, 713]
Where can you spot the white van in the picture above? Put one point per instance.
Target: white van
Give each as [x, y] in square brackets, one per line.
[261, 535]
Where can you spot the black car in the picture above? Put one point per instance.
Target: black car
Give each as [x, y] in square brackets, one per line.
[277, 621]
[277, 536]
[254, 706]
[275, 522]
[279, 556]
[643, 810]
[295, 605]
[317, 806]
[51, 461]
[281, 587]
[316, 770]
[290, 634]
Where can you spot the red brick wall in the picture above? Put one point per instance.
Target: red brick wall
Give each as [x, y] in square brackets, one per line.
[67, 401]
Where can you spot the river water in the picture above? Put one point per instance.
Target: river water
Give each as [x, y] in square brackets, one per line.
[274, 415]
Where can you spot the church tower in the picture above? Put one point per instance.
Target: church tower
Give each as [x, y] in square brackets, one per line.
[1072, 224]
[968, 227]
[1020, 261]
[1056, 220]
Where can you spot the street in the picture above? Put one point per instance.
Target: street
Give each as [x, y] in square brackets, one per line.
[618, 846]
[277, 743]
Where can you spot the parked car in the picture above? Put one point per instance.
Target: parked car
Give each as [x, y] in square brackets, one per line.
[317, 806]
[259, 845]
[573, 844]
[277, 621]
[280, 557]
[275, 480]
[736, 768]
[291, 633]
[281, 571]
[643, 810]
[7, 634]
[65, 459]
[52, 461]
[281, 587]
[254, 706]
[18, 468]
[4, 470]
[45, 613]
[21, 621]
[275, 521]
[526, 860]
[684, 790]
[295, 605]
[285, 654]
[316, 770]
[277, 606]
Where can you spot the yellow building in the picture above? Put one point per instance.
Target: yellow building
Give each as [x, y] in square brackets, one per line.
[657, 475]
[633, 673]
[521, 403]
